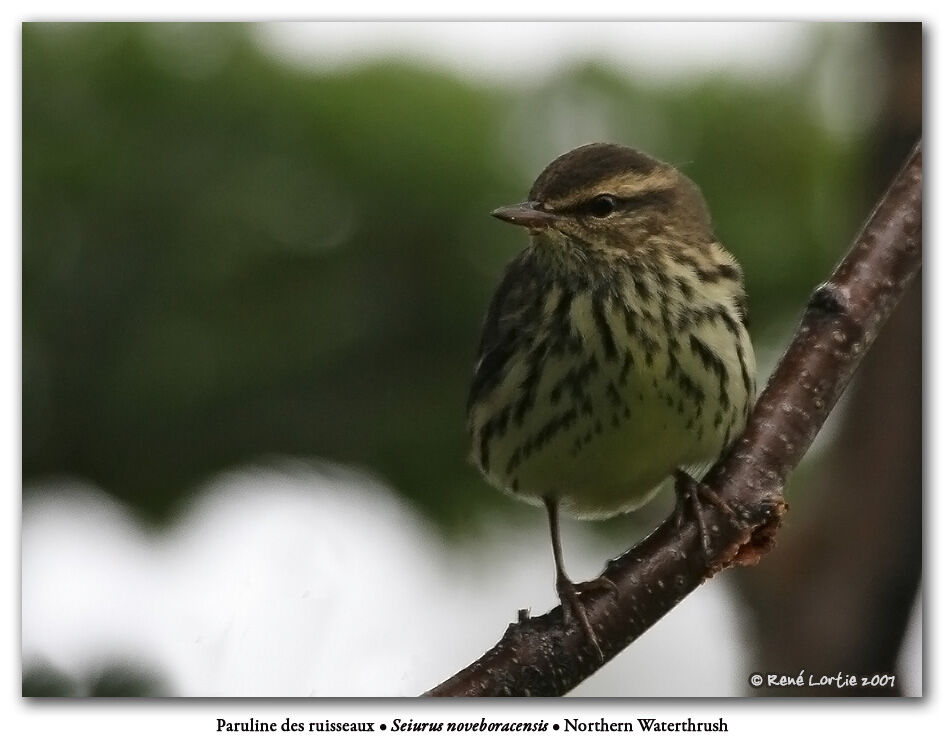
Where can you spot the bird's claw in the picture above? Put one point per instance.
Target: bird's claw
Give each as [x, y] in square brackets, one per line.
[600, 584]
[690, 493]
[572, 606]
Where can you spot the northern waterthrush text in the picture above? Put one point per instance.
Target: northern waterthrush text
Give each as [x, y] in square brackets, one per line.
[614, 353]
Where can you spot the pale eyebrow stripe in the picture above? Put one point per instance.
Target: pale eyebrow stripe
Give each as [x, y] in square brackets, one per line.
[616, 187]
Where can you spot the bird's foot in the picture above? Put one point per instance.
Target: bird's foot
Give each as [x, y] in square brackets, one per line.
[691, 493]
[573, 607]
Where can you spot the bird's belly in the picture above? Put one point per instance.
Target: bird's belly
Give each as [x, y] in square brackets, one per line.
[600, 432]
[604, 469]
[604, 461]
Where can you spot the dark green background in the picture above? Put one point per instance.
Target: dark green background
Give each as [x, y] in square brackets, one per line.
[255, 260]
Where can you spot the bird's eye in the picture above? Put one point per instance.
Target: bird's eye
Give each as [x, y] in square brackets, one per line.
[601, 206]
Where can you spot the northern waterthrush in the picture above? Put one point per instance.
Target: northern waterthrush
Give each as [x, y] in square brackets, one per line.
[614, 353]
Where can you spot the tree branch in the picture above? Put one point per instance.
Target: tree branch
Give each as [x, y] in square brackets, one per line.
[540, 656]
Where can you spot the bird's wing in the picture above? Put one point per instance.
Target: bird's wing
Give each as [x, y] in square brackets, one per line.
[510, 315]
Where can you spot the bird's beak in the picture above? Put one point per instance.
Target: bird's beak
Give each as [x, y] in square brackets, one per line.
[525, 214]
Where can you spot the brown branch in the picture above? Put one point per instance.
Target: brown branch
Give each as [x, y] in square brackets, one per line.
[540, 656]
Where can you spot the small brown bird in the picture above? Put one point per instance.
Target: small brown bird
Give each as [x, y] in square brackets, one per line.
[614, 353]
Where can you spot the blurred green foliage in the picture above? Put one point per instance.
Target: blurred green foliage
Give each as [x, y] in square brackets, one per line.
[225, 258]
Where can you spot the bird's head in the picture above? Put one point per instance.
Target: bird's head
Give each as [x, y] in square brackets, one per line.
[604, 195]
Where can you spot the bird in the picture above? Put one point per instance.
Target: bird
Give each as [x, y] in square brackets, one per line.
[614, 353]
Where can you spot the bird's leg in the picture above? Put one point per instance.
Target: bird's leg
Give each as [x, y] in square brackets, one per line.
[689, 492]
[567, 590]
